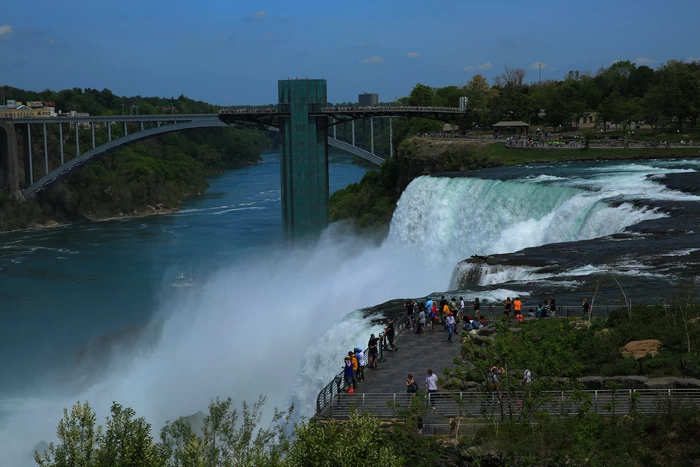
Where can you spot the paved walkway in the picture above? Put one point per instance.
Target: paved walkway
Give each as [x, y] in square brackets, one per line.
[415, 354]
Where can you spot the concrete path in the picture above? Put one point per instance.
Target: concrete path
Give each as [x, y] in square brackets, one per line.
[415, 354]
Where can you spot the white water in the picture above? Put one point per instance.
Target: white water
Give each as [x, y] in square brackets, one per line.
[280, 323]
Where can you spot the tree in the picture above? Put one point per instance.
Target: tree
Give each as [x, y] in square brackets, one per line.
[361, 441]
[78, 438]
[421, 95]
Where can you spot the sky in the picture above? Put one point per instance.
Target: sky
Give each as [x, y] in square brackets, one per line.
[230, 52]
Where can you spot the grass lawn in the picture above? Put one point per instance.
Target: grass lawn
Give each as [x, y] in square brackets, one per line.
[498, 151]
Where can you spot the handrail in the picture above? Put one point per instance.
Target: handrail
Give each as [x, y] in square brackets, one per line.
[482, 404]
[337, 385]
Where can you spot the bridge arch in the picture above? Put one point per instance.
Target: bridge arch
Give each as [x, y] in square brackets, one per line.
[71, 166]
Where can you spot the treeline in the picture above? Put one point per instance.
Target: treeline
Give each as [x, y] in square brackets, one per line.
[668, 96]
[150, 176]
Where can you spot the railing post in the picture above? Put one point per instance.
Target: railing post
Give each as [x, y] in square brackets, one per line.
[562, 403]
[595, 401]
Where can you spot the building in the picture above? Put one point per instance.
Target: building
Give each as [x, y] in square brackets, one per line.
[506, 129]
[22, 111]
[368, 98]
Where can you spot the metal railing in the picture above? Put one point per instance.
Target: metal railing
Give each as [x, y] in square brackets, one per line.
[478, 405]
[337, 386]
[493, 311]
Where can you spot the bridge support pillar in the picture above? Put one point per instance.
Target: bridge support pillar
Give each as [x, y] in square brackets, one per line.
[371, 135]
[391, 139]
[304, 164]
[9, 158]
[28, 157]
[353, 131]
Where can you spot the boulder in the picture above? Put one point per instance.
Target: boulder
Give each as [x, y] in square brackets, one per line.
[687, 383]
[487, 330]
[627, 382]
[640, 349]
[580, 324]
[515, 329]
[666, 382]
[591, 382]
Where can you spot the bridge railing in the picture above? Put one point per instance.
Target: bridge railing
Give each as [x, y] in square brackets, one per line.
[392, 108]
[337, 386]
[478, 404]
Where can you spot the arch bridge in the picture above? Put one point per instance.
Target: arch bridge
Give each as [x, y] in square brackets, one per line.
[301, 117]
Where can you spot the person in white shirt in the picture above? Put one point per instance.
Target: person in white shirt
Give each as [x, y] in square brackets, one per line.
[450, 322]
[431, 386]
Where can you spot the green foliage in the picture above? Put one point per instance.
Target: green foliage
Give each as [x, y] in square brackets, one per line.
[78, 438]
[359, 442]
[371, 202]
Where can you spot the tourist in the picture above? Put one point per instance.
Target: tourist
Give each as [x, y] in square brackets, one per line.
[482, 321]
[460, 314]
[476, 306]
[507, 304]
[538, 312]
[453, 306]
[443, 302]
[390, 334]
[411, 385]
[586, 307]
[355, 368]
[360, 355]
[372, 345]
[445, 314]
[552, 305]
[348, 373]
[517, 305]
[421, 320]
[431, 387]
[519, 316]
[531, 313]
[450, 322]
[545, 309]
[467, 325]
[410, 309]
[429, 305]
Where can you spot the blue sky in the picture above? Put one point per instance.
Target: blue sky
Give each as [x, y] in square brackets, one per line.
[234, 51]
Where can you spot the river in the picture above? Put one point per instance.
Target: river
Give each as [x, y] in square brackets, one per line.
[89, 311]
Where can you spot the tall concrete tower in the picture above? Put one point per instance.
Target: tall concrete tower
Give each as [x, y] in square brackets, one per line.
[304, 151]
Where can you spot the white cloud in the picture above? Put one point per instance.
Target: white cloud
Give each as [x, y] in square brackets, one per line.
[483, 66]
[259, 14]
[643, 61]
[412, 55]
[6, 31]
[375, 59]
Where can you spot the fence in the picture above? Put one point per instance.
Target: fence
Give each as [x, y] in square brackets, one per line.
[489, 404]
[336, 387]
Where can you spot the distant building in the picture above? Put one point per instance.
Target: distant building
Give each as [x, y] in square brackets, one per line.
[368, 98]
[19, 110]
[463, 102]
[502, 129]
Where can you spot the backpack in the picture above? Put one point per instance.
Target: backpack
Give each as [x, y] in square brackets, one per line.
[412, 388]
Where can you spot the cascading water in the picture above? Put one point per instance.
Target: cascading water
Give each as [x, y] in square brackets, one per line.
[448, 218]
[280, 323]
